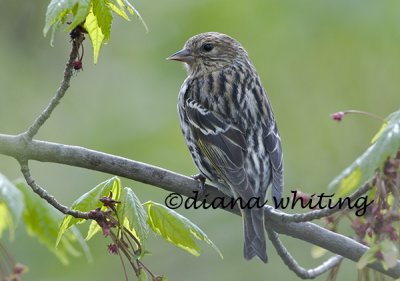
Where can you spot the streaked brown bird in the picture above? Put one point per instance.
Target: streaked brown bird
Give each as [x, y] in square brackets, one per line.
[230, 129]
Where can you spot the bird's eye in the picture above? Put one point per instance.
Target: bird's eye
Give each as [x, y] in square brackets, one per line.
[208, 47]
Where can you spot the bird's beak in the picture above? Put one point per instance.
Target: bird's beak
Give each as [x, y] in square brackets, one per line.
[183, 55]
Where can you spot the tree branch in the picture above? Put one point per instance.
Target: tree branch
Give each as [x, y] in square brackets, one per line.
[46, 196]
[292, 263]
[17, 147]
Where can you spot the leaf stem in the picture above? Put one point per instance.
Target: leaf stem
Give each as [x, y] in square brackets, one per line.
[372, 115]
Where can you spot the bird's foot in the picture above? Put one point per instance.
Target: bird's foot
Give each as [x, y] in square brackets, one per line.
[202, 183]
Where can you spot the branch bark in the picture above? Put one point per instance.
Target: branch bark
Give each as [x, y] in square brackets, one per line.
[17, 147]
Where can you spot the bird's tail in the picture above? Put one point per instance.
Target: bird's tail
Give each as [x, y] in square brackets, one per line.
[254, 234]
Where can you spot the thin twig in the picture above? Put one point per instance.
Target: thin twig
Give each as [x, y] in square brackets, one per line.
[147, 269]
[46, 196]
[115, 240]
[7, 266]
[7, 254]
[293, 264]
[68, 72]
[353, 111]
[137, 242]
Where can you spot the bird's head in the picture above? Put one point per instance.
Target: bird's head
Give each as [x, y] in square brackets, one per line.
[208, 52]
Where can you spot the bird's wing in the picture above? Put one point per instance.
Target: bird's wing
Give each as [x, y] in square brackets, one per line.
[272, 143]
[222, 143]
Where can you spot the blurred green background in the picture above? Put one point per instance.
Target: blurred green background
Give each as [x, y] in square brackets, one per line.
[314, 58]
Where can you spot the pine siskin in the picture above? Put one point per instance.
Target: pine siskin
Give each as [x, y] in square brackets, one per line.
[229, 127]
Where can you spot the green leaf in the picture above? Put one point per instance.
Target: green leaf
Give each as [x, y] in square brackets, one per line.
[58, 10]
[103, 14]
[96, 35]
[132, 10]
[96, 15]
[80, 10]
[5, 220]
[94, 228]
[11, 205]
[176, 229]
[132, 211]
[379, 133]
[55, 11]
[368, 257]
[41, 221]
[53, 32]
[143, 275]
[349, 183]
[90, 201]
[118, 8]
[390, 253]
[386, 144]
[317, 252]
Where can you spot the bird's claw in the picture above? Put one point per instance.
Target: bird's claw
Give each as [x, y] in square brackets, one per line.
[202, 182]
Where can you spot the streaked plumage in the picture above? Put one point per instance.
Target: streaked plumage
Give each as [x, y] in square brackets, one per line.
[229, 127]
